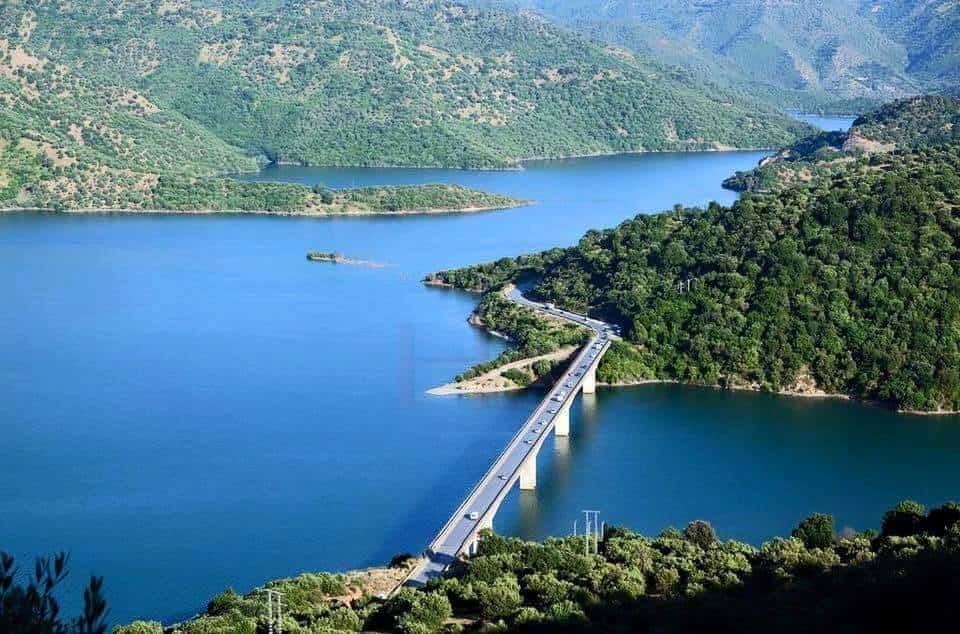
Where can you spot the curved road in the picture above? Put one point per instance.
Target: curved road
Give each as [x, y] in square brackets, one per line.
[482, 503]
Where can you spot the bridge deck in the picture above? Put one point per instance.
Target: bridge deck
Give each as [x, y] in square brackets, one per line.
[485, 498]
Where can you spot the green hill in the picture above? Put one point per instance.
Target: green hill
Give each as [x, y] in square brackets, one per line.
[845, 282]
[900, 579]
[100, 98]
[833, 54]
[908, 124]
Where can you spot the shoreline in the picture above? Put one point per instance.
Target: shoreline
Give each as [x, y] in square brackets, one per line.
[518, 162]
[263, 212]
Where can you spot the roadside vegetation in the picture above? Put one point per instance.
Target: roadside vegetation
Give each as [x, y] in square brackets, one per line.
[903, 577]
[532, 335]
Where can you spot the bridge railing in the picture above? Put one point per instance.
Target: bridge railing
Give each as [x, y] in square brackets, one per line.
[462, 509]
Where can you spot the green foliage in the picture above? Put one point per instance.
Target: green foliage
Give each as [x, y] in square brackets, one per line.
[907, 124]
[673, 583]
[32, 607]
[224, 602]
[500, 599]
[817, 531]
[418, 612]
[518, 376]
[108, 101]
[533, 335]
[904, 520]
[700, 533]
[847, 283]
[139, 627]
[833, 55]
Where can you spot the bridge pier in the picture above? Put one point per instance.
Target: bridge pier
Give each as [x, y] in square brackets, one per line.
[528, 473]
[561, 424]
[590, 381]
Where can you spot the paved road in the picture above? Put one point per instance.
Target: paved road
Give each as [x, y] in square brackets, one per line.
[485, 498]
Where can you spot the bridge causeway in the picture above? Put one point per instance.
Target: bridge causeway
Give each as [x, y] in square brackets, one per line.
[517, 464]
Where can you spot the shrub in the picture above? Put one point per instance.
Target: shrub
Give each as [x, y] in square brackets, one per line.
[700, 533]
[817, 531]
[499, 599]
[401, 560]
[942, 518]
[139, 627]
[224, 602]
[906, 519]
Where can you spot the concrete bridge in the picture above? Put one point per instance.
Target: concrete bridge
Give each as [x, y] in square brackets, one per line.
[517, 465]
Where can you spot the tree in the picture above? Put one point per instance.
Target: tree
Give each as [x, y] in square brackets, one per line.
[817, 531]
[904, 520]
[941, 519]
[499, 599]
[33, 608]
[700, 533]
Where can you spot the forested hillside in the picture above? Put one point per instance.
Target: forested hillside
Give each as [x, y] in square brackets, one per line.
[833, 54]
[846, 284]
[907, 124]
[900, 579]
[100, 97]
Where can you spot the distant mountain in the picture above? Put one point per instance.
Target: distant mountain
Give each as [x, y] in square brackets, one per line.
[909, 124]
[828, 53]
[106, 96]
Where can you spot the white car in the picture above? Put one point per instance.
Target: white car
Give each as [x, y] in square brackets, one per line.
[473, 516]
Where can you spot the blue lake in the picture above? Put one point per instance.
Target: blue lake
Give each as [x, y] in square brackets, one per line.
[187, 404]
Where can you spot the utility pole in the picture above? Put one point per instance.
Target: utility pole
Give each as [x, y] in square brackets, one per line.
[593, 529]
[274, 597]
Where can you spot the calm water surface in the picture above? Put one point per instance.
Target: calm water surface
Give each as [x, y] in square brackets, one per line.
[187, 404]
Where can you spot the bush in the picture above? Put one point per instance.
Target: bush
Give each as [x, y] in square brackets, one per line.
[224, 602]
[401, 560]
[941, 519]
[817, 531]
[427, 614]
[518, 376]
[906, 519]
[139, 627]
[700, 533]
[499, 599]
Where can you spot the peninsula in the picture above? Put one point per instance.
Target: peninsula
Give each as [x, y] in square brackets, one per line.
[819, 287]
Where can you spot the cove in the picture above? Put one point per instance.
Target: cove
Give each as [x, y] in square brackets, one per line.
[187, 404]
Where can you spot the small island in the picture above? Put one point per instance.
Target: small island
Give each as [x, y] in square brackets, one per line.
[338, 258]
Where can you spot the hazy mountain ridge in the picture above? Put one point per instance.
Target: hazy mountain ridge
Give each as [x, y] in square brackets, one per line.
[801, 54]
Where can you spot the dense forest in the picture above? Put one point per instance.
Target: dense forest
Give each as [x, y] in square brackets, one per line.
[101, 99]
[904, 578]
[848, 282]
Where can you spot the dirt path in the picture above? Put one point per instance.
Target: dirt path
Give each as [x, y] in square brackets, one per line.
[491, 381]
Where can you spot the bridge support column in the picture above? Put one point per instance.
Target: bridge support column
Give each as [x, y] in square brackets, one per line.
[590, 381]
[528, 473]
[561, 425]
